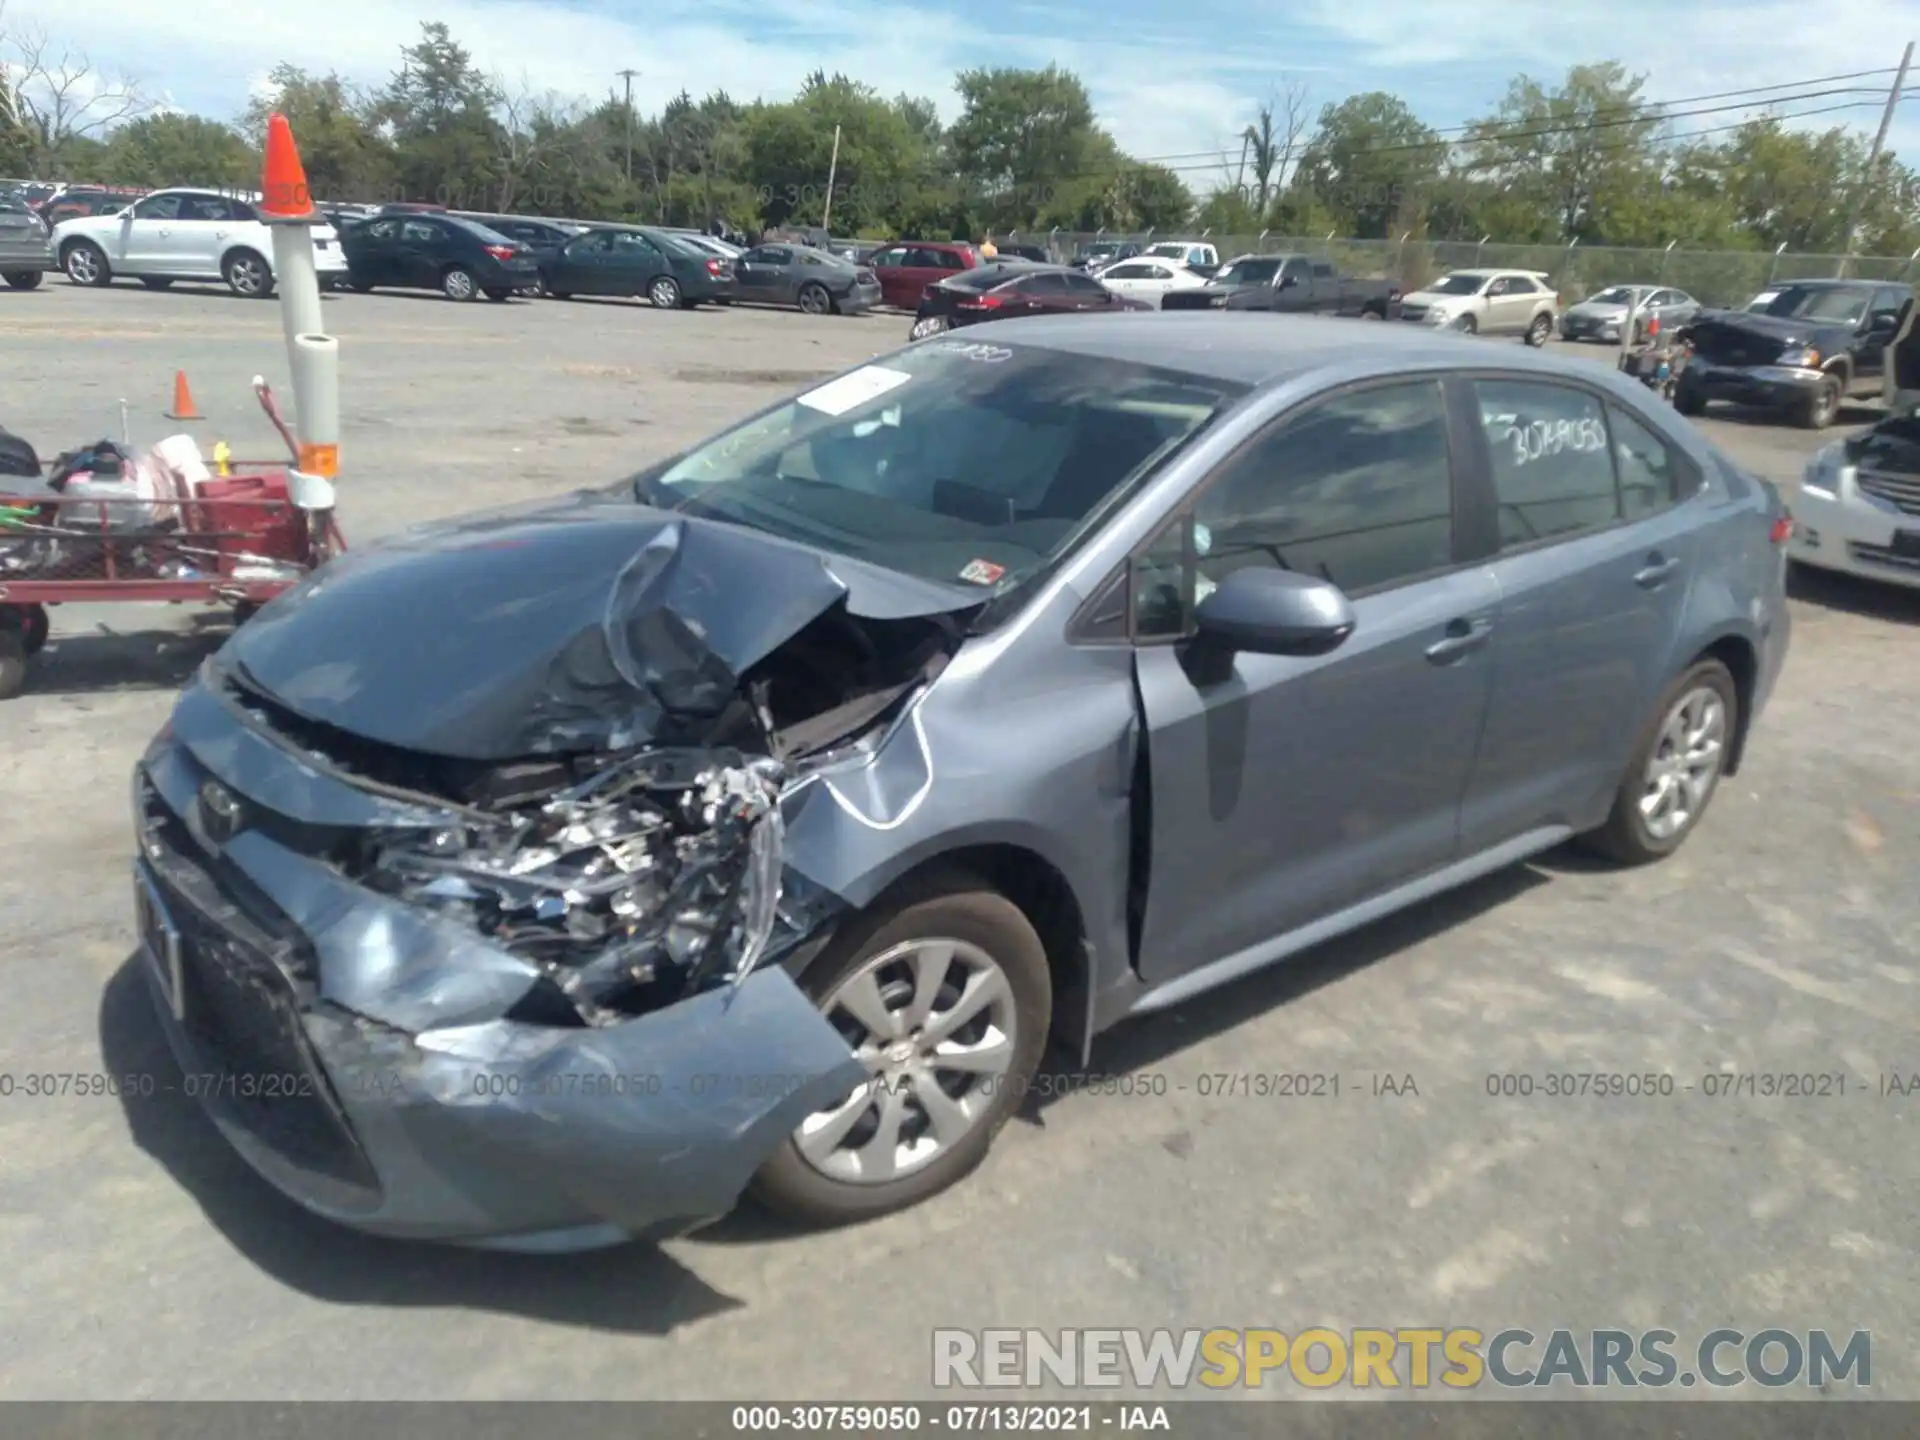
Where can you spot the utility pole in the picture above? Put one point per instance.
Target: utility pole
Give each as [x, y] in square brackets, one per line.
[833, 168]
[627, 75]
[1873, 156]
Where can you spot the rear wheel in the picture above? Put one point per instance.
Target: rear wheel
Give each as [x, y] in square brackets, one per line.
[946, 997]
[360, 287]
[1688, 400]
[247, 275]
[1675, 768]
[13, 662]
[663, 293]
[22, 279]
[814, 299]
[1467, 325]
[931, 325]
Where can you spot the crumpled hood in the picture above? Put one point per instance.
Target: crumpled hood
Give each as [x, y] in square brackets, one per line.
[1783, 331]
[594, 624]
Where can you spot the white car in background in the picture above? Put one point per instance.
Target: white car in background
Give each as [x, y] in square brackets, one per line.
[1145, 278]
[174, 235]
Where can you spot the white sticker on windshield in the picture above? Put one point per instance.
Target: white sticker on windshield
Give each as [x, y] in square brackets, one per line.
[850, 391]
[1202, 538]
[1765, 297]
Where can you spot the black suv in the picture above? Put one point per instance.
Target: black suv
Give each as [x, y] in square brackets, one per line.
[1803, 348]
[422, 250]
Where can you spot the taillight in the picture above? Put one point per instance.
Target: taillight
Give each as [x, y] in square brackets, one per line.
[502, 252]
[981, 302]
[713, 267]
[1782, 530]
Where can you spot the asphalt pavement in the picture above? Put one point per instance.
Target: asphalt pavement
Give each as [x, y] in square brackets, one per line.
[143, 1260]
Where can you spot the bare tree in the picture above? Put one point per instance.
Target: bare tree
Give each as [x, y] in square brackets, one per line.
[58, 97]
[1272, 141]
[530, 127]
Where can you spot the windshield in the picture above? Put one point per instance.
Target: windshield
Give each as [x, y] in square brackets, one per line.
[1815, 302]
[1458, 285]
[956, 462]
[1618, 295]
[1249, 272]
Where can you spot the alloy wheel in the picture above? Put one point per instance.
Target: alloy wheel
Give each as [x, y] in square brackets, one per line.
[246, 275]
[458, 285]
[934, 1022]
[83, 265]
[813, 300]
[1685, 763]
[931, 325]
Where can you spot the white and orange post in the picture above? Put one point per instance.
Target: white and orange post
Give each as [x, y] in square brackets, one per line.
[312, 354]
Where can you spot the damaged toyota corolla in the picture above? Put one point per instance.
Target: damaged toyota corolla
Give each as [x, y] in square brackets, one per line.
[556, 876]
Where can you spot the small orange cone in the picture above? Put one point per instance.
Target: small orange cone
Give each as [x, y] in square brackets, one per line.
[182, 400]
[283, 185]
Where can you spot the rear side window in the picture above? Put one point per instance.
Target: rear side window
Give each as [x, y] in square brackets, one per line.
[1552, 475]
[1649, 471]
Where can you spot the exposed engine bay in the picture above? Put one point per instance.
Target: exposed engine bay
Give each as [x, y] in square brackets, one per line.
[631, 879]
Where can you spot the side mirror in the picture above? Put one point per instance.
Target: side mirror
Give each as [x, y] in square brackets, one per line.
[1275, 612]
[1883, 324]
[1288, 282]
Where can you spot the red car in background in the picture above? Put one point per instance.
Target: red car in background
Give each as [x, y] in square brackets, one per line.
[907, 269]
[1004, 289]
[76, 201]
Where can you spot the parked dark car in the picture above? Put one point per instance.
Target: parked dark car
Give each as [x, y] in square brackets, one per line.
[1800, 349]
[556, 873]
[543, 238]
[666, 270]
[26, 250]
[818, 283]
[907, 269]
[1289, 284]
[1003, 289]
[1106, 252]
[426, 251]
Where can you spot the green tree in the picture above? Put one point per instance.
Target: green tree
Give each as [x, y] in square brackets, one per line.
[1027, 145]
[175, 149]
[1575, 152]
[884, 166]
[345, 155]
[1368, 165]
[440, 111]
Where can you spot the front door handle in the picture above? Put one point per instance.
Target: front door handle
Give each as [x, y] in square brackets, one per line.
[1463, 637]
[1655, 572]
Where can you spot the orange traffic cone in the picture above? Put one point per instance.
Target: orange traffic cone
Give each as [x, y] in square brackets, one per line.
[283, 188]
[182, 400]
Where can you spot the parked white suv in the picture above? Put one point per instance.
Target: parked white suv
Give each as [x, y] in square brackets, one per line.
[1488, 302]
[174, 235]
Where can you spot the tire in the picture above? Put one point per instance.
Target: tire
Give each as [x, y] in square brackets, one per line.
[1628, 837]
[1539, 331]
[457, 283]
[22, 279]
[931, 325]
[360, 287]
[663, 292]
[156, 282]
[1822, 408]
[13, 662]
[1688, 400]
[499, 296]
[35, 626]
[980, 925]
[559, 295]
[1467, 325]
[813, 299]
[1371, 315]
[86, 263]
[248, 275]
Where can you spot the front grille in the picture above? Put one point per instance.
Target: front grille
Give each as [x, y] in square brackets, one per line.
[1720, 346]
[1413, 312]
[1901, 491]
[242, 1011]
[1882, 555]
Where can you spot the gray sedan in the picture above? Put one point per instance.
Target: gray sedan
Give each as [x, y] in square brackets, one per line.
[818, 282]
[26, 253]
[1603, 316]
[759, 820]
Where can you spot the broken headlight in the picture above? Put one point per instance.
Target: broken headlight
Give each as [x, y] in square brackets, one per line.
[647, 880]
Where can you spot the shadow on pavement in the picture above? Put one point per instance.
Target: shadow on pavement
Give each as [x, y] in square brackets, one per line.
[1854, 594]
[94, 663]
[635, 1289]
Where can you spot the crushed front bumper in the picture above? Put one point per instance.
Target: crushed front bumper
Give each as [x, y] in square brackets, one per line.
[350, 1046]
[1766, 387]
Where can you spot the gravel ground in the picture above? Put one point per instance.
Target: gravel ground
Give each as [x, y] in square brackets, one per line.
[144, 1261]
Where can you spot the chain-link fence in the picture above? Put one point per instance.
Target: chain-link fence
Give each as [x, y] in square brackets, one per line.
[1715, 277]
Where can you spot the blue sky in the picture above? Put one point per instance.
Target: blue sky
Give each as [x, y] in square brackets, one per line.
[1174, 81]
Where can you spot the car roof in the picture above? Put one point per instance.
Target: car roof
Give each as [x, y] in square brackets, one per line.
[1831, 284]
[1255, 349]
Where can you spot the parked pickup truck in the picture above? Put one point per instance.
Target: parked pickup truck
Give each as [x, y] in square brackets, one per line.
[1294, 284]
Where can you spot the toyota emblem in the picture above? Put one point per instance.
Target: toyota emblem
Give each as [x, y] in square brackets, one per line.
[221, 813]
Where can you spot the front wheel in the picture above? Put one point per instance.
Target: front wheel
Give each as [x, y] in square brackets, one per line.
[1820, 409]
[22, 279]
[1467, 325]
[947, 999]
[1674, 770]
[1539, 331]
[86, 264]
[664, 293]
[247, 275]
[814, 299]
[13, 662]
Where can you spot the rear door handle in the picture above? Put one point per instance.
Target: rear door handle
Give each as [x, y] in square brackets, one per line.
[1463, 637]
[1655, 572]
